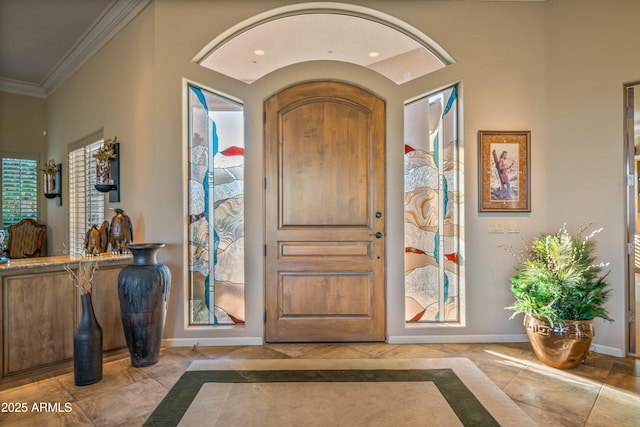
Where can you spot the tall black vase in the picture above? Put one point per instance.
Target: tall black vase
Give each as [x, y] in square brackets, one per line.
[143, 289]
[87, 346]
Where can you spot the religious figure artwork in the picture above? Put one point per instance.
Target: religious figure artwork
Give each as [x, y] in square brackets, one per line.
[503, 158]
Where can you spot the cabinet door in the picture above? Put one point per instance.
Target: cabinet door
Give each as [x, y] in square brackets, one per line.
[106, 306]
[38, 320]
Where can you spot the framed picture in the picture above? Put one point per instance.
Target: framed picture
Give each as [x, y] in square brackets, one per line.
[504, 170]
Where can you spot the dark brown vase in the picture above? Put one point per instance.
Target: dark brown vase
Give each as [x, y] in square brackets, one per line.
[143, 290]
[87, 346]
[563, 346]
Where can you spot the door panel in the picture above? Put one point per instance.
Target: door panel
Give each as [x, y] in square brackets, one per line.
[325, 143]
[324, 213]
[325, 294]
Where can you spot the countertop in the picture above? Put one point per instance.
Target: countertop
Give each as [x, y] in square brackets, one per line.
[73, 260]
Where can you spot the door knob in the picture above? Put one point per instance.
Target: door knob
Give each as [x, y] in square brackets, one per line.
[378, 235]
[378, 214]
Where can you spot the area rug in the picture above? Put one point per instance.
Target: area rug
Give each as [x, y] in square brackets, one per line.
[346, 392]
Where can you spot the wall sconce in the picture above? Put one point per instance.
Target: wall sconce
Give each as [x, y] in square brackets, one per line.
[108, 170]
[53, 181]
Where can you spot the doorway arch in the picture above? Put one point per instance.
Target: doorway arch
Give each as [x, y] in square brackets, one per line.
[263, 43]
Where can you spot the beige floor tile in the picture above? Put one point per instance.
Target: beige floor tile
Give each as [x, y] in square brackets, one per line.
[75, 418]
[336, 351]
[131, 401]
[172, 367]
[251, 352]
[501, 372]
[295, 350]
[615, 407]
[624, 382]
[554, 391]
[404, 351]
[127, 395]
[114, 376]
[551, 419]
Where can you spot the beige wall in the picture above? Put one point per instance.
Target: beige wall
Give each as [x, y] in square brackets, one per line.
[22, 123]
[555, 68]
[113, 91]
[590, 55]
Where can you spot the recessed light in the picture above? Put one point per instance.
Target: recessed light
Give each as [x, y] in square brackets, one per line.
[258, 52]
[374, 54]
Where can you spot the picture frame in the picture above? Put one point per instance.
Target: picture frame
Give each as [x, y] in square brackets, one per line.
[504, 171]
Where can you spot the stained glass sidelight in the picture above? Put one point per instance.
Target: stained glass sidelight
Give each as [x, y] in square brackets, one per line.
[216, 209]
[433, 210]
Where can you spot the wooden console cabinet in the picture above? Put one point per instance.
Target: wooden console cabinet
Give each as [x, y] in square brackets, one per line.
[40, 308]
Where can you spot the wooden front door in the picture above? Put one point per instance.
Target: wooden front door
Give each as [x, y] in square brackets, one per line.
[324, 210]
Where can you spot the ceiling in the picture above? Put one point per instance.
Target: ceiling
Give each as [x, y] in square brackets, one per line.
[43, 42]
[301, 33]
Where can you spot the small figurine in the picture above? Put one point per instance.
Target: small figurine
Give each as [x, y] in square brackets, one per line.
[97, 239]
[104, 236]
[92, 241]
[120, 232]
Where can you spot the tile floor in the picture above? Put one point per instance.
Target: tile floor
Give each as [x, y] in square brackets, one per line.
[603, 392]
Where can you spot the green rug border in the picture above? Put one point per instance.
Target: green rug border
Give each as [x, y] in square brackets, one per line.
[463, 403]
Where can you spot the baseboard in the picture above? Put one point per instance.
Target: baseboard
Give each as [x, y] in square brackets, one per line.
[455, 339]
[605, 349]
[459, 339]
[406, 339]
[207, 342]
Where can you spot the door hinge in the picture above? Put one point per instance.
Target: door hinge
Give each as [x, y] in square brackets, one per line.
[629, 112]
[265, 250]
[265, 317]
[632, 316]
[265, 182]
[264, 117]
[630, 248]
[631, 180]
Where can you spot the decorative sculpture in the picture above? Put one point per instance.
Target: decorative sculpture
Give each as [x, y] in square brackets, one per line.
[120, 232]
[97, 239]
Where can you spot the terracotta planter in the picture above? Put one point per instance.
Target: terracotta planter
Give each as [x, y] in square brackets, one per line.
[563, 346]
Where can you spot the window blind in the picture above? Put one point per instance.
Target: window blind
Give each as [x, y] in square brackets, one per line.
[19, 190]
[86, 204]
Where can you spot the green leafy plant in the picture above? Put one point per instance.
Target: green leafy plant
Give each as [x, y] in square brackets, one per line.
[559, 280]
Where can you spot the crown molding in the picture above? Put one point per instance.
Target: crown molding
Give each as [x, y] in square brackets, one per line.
[114, 18]
[21, 88]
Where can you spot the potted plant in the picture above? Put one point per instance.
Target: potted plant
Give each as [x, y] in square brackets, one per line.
[561, 290]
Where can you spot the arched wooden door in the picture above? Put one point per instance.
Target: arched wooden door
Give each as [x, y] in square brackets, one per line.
[324, 213]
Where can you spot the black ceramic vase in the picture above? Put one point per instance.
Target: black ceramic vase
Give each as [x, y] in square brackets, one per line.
[143, 289]
[87, 346]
